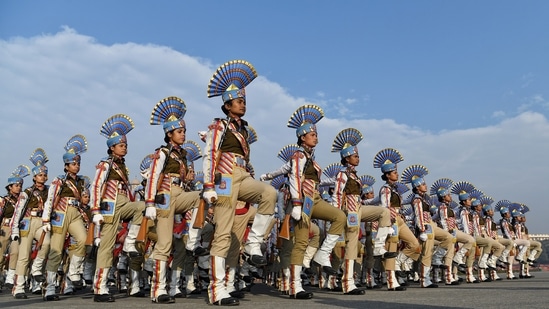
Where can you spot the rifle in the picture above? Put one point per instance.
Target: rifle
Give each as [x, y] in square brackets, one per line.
[284, 232]
[90, 235]
[202, 206]
[200, 214]
[143, 228]
[38, 245]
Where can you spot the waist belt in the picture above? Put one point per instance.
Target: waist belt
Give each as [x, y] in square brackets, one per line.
[71, 201]
[36, 213]
[240, 162]
[175, 180]
[6, 221]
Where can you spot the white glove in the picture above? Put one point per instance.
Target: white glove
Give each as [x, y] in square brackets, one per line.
[150, 213]
[46, 226]
[265, 177]
[96, 242]
[391, 230]
[97, 219]
[423, 237]
[296, 213]
[14, 237]
[209, 196]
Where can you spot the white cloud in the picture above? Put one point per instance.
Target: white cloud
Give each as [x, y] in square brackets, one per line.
[55, 86]
[498, 114]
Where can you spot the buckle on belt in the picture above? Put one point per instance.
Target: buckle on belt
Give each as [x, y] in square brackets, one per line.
[73, 202]
[36, 213]
[239, 161]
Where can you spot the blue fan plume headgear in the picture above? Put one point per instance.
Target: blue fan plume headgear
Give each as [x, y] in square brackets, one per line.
[193, 152]
[454, 205]
[87, 184]
[115, 129]
[367, 183]
[169, 112]
[462, 189]
[441, 187]
[252, 135]
[524, 209]
[74, 148]
[286, 153]
[486, 203]
[502, 206]
[514, 208]
[304, 119]
[278, 181]
[199, 181]
[230, 79]
[145, 165]
[434, 202]
[331, 170]
[39, 159]
[414, 175]
[345, 142]
[407, 201]
[387, 159]
[475, 196]
[18, 174]
[401, 188]
[250, 169]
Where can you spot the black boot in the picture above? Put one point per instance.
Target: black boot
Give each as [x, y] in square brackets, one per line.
[103, 298]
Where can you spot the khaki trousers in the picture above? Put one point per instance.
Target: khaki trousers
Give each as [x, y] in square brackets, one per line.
[180, 202]
[323, 211]
[244, 188]
[25, 246]
[13, 250]
[124, 210]
[366, 214]
[74, 225]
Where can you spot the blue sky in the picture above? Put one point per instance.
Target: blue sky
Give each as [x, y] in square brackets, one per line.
[460, 87]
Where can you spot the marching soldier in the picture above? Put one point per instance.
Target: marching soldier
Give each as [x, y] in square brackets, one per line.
[112, 201]
[9, 243]
[28, 212]
[424, 225]
[479, 226]
[63, 214]
[347, 197]
[304, 178]
[164, 196]
[463, 189]
[387, 159]
[226, 179]
[446, 219]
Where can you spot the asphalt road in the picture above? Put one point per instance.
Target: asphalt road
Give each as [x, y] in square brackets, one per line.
[523, 293]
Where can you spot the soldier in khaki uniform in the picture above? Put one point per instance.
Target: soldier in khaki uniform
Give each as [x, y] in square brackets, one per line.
[7, 210]
[164, 196]
[389, 196]
[347, 197]
[63, 213]
[227, 180]
[428, 231]
[112, 201]
[28, 211]
[304, 178]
